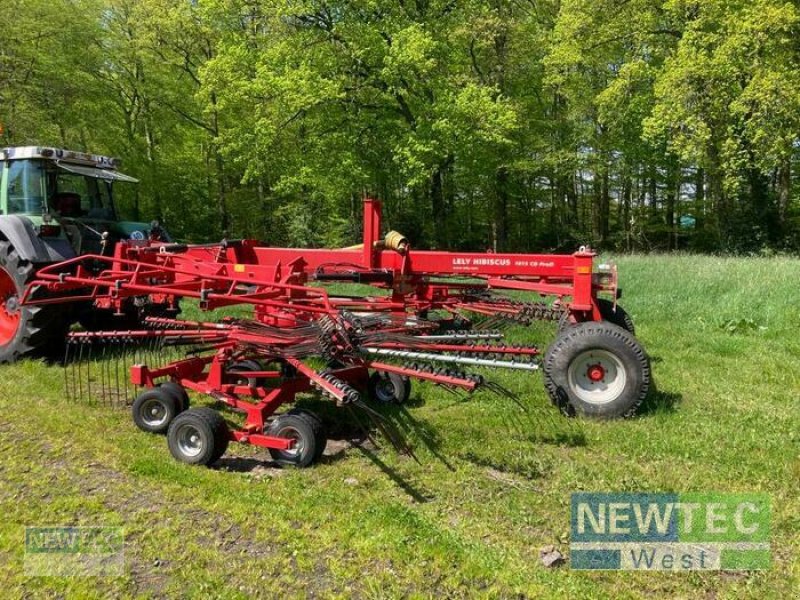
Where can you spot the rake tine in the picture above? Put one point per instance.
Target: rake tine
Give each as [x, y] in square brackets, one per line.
[360, 424]
[103, 374]
[78, 367]
[65, 366]
[379, 421]
[90, 353]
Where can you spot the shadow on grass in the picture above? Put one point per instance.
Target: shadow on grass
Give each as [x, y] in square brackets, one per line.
[659, 401]
[402, 483]
[526, 466]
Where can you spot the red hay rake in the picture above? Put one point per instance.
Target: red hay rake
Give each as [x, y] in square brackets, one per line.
[431, 315]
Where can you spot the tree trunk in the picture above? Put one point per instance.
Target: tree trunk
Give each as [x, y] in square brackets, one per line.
[670, 199]
[784, 191]
[439, 203]
[500, 210]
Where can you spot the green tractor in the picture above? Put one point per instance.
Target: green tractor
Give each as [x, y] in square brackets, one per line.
[55, 205]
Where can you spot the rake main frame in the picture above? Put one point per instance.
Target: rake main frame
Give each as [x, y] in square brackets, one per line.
[421, 297]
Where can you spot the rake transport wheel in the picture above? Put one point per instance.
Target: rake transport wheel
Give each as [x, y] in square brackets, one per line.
[316, 423]
[178, 392]
[389, 388]
[154, 409]
[306, 437]
[618, 316]
[598, 370]
[243, 366]
[198, 436]
[24, 329]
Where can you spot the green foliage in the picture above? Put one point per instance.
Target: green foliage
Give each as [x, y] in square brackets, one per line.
[479, 123]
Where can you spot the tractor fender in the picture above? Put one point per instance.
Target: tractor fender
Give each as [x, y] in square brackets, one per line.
[20, 233]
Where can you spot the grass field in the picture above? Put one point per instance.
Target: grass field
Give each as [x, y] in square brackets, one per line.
[492, 486]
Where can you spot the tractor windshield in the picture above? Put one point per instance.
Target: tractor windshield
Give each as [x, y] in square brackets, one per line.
[73, 191]
[75, 195]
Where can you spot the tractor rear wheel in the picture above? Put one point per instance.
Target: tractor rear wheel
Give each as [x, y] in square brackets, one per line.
[25, 329]
[597, 370]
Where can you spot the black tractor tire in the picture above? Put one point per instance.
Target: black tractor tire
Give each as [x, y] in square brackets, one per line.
[178, 392]
[318, 426]
[198, 436]
[615, 315]
[597, 370]
[154, 410]
[26, 330]
[389, 388]
[306, 437]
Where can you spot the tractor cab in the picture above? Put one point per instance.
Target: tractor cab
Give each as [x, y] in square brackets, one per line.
[67, 195]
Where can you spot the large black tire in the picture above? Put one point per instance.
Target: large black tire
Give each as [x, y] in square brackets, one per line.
[615, 315]
[320, 435]
[598, 370]
[26, 329]
[300, 429]
[198, 436]
[389, 388]
[177, 391]
[154, 410]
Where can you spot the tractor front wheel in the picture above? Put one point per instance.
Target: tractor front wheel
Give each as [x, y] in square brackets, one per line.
[25, 329]
[597, 370]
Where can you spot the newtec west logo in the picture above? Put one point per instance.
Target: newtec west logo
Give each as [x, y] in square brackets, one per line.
[74, 551]
[669, 531]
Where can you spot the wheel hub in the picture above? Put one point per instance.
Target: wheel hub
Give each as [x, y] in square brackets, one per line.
[154, 413]
[597, 376]
[189, 441]
[596, 373]
[386, 389]
[290, 433]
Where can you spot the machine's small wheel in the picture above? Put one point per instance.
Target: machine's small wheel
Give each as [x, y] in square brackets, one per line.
[598, 370]
[154, 409]
[389, 387]
[198, 436]
[617, 316]
[320, 435]
[177, 391]
[244, 366]
[302, 431]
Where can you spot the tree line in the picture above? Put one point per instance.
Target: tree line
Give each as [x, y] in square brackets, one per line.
[504, 124]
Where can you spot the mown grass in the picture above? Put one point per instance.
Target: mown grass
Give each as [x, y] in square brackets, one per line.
[492, 485]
